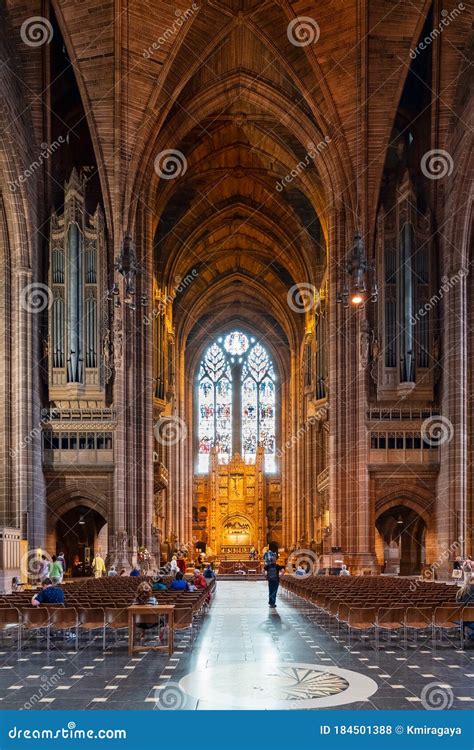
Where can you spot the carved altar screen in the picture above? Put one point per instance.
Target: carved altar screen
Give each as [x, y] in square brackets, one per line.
[236, 401]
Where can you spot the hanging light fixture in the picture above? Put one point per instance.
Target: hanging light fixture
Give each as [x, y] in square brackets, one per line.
[128, 267]
[359, 281]
[358, 275]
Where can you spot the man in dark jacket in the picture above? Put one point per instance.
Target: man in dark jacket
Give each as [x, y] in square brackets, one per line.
[273, 571]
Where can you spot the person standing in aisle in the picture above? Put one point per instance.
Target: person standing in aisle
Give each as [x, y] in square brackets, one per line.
[98, 565]
[273, 571]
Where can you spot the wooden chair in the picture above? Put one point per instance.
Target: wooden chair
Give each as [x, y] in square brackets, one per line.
[389, 620]
[183, 619]
[418, 619]
[65, 620]
[115, 619]
[9, 620]
[35, 619]
[447, 619]
[91, 618]
[467, 615]
[361, 619]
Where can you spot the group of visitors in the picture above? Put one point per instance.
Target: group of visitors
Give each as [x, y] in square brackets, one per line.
[463, 568]
[53, 569]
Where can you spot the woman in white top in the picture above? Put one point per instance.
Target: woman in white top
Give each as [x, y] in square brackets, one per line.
[174, 565]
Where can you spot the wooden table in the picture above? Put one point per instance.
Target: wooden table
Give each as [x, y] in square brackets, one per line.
[157, 610]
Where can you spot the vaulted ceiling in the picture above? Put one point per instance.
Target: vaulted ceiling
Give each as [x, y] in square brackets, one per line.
[234, 90]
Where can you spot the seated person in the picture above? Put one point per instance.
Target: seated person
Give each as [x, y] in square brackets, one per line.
[49, 594]
[112, 572]
[301, 570]
[466, 596]
[199, 580]
[135, 571]
[209, 573]
[159, 584]
[144, 595]
[179, 584]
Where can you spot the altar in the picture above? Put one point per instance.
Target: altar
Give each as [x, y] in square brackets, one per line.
[240, 567]
[236, 509]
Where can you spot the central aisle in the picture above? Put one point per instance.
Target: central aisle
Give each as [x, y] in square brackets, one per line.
[248, 656]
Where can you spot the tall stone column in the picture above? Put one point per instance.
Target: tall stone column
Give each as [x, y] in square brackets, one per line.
[350, 513]
[28, 483]
[451, 503]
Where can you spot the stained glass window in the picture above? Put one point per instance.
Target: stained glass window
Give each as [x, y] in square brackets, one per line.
[236, 374]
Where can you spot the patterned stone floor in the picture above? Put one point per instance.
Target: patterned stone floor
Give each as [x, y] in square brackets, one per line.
[245, 656]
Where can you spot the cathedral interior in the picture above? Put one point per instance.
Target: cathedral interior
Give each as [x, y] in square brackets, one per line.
[236, 299]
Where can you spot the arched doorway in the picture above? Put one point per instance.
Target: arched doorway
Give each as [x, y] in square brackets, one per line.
[80, 533]
[403, 532]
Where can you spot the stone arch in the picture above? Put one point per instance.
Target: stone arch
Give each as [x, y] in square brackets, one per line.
[415, 508]
[65, 499]
[407, 499]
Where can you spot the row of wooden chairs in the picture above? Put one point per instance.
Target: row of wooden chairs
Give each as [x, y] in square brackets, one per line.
[392, 608]
[432, 621]
[189, 606]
